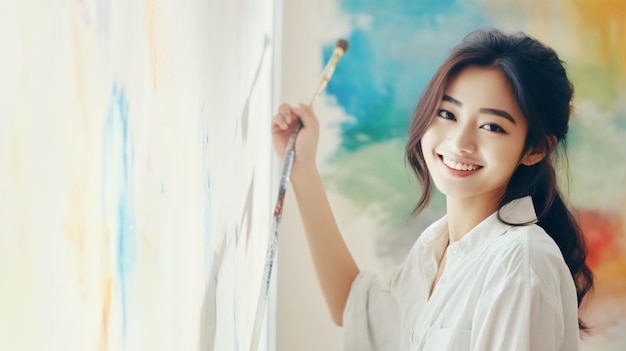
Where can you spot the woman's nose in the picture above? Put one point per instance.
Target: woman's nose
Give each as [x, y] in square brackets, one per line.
[463, 139]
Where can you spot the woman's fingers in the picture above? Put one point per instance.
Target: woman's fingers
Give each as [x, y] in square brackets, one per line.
[306, 114]
[283, 125]
[287, 115]
[279, 121]
[285, 111]
[284, 117]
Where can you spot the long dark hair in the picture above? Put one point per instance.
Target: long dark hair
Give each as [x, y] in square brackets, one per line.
[543, 92]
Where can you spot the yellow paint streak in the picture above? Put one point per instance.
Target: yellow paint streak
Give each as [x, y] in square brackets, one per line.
[79, 59]
[106, 310]
[590, 35]
[146, 242]
[23, 205]
[150, 33]
[602, 23]
[74, 223]
[598, 26]
[16, 297]
[610, 274]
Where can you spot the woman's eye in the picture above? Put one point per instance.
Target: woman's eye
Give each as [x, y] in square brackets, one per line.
[445, 114]
[493, 128]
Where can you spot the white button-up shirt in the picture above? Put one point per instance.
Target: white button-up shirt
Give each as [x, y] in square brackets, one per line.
[504, 287]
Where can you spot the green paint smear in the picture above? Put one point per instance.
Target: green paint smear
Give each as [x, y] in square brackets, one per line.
[376, 176]
[596, 160]
[600, 84]
[382, 120]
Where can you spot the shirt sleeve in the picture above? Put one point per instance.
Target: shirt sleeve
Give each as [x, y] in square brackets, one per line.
[371, 318]
[516, 316]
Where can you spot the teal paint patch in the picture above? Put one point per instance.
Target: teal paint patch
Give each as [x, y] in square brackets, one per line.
[118, 182]
[411, 8]
[395, 48]
[391, 59]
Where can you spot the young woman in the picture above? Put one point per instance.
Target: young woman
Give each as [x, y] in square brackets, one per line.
[504, 269]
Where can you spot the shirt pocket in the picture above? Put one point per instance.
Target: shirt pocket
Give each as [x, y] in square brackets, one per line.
[447, 339]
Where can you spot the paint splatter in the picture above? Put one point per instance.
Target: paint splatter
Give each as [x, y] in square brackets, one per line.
[606, 239]
[394, 49]
[600, 229]
[106, 312]
[118, 192]
[380, 78]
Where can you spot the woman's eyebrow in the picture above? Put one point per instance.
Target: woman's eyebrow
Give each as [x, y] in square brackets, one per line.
[491, 111]
[496, 112]
[452, 100]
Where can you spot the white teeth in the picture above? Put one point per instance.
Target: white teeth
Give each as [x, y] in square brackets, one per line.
[459, 166]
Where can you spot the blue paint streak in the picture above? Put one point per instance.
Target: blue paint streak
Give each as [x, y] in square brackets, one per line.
[409, 8]
[390, 61]
[118, 180]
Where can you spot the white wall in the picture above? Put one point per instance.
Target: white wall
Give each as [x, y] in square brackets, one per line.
[134, 172]
[303, 320]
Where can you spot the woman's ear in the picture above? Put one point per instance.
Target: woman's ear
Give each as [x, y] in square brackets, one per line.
[537, 154]
[532, 157]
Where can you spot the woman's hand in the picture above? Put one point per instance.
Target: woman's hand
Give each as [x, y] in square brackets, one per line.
[334, 265]
[283, 125]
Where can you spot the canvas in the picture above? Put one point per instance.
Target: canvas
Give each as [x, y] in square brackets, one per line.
[134, 182]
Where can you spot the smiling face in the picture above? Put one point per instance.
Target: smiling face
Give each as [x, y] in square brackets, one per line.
[475, 143]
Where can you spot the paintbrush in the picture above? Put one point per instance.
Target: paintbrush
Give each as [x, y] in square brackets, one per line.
[340, 48]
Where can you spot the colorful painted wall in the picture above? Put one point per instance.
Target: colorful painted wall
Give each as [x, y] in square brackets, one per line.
[134, 173]
[395, 46]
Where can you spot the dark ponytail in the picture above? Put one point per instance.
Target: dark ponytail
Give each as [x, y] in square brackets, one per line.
[555, 218]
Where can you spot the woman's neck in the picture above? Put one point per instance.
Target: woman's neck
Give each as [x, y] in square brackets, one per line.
[463, 214]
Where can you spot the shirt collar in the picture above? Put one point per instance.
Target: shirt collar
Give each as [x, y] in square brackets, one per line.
[517, 212]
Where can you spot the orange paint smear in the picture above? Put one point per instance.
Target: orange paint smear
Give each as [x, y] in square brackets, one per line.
[603, 232]
[106, 309]
[603, 23]
[607, 259]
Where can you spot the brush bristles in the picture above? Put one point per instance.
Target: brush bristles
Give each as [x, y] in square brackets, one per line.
[343, 44]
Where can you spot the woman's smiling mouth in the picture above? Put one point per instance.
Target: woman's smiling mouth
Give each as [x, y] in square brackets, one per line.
[459, 166]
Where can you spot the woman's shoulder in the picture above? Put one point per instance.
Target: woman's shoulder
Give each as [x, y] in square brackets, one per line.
[533, 241]
[527, 252]
[526, 257]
